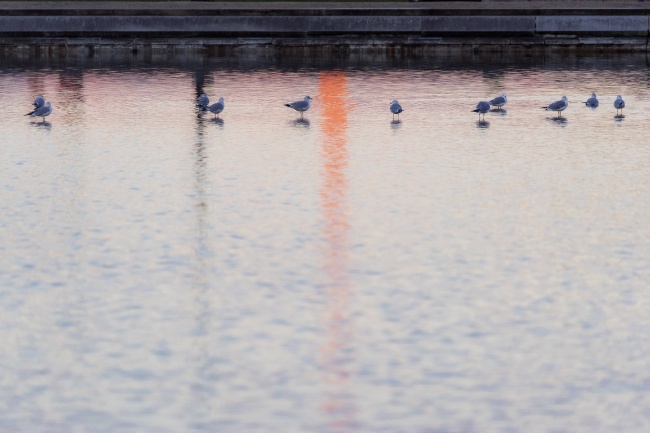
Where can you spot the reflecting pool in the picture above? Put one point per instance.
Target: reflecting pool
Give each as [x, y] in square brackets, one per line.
[166, 271]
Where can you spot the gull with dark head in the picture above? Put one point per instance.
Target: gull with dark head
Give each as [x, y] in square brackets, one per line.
[300, 106]
[558, 106]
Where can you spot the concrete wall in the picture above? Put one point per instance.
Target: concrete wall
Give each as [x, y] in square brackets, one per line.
[399, 27]
[318, 25]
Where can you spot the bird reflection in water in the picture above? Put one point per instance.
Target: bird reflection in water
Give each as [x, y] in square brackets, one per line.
[396, 124]
[483, 124]
[499, 111]
[562, 121]
[217, 121]
[42, 124]
[336, 358]
[304, 123]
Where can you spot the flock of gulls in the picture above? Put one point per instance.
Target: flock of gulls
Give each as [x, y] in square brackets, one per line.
[204, 105]
[43, 109]
[558, 106]
[395, 108]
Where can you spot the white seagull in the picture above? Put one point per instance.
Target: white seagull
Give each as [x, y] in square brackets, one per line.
[301, 106]
[43, 111]
[217, 107]
[499, 101]
[558, 106]
[592, 102]
[482, 108]
[395, 108]
[619, 104]
[203, 102]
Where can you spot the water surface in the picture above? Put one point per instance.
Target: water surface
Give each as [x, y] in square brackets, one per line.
[168, 272]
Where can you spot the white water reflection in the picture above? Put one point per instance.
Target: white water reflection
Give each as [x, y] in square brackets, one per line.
[163, 272]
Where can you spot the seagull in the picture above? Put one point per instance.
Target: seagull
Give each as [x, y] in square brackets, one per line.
[217, 107]
[482, 108]
[203, 102]
[499, 101]
[619, 104]
[301, 106]
[43, 111]
[558, 106]
[39, 101]
[592, 102]
[395, 108]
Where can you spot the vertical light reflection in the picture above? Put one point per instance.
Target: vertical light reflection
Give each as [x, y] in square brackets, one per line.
[333, 95]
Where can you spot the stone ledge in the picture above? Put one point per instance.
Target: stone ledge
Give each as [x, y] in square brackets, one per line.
[238, 26]
[9, 44]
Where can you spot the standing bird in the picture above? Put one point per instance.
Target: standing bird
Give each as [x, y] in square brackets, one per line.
[301, 106]
[217, 107]
[43, 111]
[499, 101]
[558, 106]
[38, 102]
[395, 108]
[203, 102]
[482, 108]
[619, 104]
[592, 102]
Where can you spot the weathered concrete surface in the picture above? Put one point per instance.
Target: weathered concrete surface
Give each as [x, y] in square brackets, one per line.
[527, 23]
[594, 25]
[314, 25]
[486, 7]
[260, 25]
[476, 25]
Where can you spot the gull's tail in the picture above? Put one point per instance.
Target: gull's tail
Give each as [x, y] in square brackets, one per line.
[287, 105]
[29, 114]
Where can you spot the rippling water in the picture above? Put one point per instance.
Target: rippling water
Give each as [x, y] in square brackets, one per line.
[166, 272]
